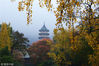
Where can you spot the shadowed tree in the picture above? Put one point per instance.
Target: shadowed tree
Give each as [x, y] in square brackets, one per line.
[19, 41]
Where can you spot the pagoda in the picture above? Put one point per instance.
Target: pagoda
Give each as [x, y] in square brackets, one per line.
[44, 32]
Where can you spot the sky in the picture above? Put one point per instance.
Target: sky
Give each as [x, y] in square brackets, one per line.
[9, 13]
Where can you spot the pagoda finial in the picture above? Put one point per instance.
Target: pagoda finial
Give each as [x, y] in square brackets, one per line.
[44, 22]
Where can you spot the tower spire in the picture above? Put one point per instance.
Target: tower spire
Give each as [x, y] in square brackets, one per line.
[44, 23]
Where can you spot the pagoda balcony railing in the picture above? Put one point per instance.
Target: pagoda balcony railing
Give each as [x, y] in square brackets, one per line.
[43, 37]
[43, 33]
[44, 30]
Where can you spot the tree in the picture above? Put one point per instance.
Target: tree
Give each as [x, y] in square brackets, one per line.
[95, 35]
[81, 56]
[89, 28]
[19, 41]
[38, 51]
[5, 55]
[61, 50]
[18, 56]
[64, 54]
[5, 39]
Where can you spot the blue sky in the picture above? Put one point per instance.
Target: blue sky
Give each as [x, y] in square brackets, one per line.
[9, 13]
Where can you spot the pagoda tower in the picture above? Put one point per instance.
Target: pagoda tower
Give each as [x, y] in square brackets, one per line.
[44, 32]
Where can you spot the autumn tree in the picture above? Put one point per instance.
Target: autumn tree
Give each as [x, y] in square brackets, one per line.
[63, 52]
[66, 15]
[5, 39]
[88, 27]
[94, 35]
[60, 51]
[38, 51]
[5, 44]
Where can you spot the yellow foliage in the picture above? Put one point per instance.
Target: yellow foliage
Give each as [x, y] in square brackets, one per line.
[4, 37]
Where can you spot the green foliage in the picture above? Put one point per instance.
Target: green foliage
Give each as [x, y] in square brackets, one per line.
[19, 41]
[47, 63]
[4, 51]
[17, 63]
[81, 56]
[5, 56]
[6, 59]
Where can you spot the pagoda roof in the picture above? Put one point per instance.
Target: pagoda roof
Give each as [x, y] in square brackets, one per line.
[44, 29]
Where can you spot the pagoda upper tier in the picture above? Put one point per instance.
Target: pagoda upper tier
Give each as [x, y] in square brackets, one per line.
[44, 29]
